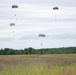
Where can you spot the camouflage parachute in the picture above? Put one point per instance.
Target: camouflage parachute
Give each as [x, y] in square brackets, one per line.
[42, 35]
[14, 6]
[55, 8]
[12, 24]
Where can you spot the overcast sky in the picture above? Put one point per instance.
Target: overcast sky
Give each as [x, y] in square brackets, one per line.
[36, 17]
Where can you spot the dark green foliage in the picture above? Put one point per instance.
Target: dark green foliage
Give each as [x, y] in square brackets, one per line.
[30, 50]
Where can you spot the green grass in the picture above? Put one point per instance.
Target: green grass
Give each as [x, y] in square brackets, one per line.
[38, 65]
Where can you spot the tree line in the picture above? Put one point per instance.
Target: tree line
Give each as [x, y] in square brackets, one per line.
[30, 50]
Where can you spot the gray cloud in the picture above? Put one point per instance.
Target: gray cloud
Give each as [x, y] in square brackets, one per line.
[70, 36]
[6, 39]
[29, 37]
[37, 16]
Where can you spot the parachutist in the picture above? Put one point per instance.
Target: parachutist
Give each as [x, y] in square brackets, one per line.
[41, 44]
[15, 14]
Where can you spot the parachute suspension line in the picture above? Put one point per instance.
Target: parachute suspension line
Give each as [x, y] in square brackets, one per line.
[13, 24]
[55, 9]
[42, 35]
[15, 7]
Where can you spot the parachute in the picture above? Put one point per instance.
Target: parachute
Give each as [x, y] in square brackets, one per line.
[42, 35]
[14, 6]
[55, 8]
[12, 24]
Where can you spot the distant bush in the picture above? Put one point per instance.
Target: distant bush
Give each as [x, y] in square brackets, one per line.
[30, 50]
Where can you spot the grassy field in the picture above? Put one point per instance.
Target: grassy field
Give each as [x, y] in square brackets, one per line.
[62, 64]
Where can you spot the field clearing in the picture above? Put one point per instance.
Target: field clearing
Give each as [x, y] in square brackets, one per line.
[51, 64]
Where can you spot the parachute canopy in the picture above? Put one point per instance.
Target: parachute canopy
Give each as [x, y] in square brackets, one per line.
[14, 6]
[42, 35]
[55, 8]
[12, 24]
